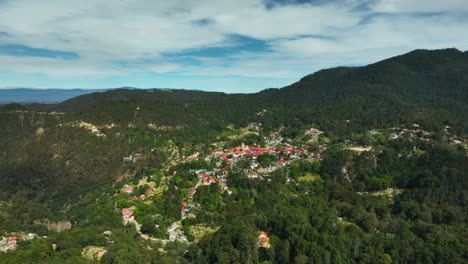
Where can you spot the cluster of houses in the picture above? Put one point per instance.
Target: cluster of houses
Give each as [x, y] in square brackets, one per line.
[188, 210]
[415, 132]
[149, 193]
[285, 155]
[92, 252]
[127, 214]
[175, 233]
[10, 242]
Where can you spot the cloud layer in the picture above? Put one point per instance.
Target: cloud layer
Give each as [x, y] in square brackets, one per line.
[245, 38]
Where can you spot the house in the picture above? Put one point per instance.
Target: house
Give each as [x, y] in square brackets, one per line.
[263, 237]
[127, 213]
[128, 189]
[191, 216]
[253, 175]
[192, 191]
[107, 232]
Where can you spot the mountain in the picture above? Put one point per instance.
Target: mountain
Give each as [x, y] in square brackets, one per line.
[50, 96]
[30, 95]
[427, 86]
[86, 101]
[419, 86]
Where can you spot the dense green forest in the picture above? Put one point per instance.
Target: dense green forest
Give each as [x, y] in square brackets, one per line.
[383, 178]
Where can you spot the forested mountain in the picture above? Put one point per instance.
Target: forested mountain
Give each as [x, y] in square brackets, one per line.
[86, 101]
[347, 165]
[428, 86]
[422, 86]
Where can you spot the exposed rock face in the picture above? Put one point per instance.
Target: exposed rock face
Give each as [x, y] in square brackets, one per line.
[57, 226]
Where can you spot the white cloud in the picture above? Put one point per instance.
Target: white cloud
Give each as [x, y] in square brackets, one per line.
[301, 38]
[419, 6]
[58, 67]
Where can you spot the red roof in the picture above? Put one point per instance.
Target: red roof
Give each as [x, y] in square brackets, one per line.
[12, 238]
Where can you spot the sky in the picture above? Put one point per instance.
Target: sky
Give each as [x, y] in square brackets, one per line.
[240, 46]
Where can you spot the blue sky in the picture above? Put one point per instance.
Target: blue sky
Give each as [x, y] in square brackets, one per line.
[213, 45]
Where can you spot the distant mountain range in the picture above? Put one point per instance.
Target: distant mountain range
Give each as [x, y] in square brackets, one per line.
[36, 95]
[32, 95]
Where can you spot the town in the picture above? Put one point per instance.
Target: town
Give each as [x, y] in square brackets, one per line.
[198, 182]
